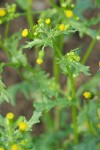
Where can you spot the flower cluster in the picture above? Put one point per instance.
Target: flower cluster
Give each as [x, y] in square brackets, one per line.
[7, 13]
[72, 56]
[15, 129]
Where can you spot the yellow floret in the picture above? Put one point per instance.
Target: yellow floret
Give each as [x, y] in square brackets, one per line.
[87, 95]
[23, 126]
[10, 116]
[24, 33]
[69, 13]
[62, 27]
[2, 12]
[47, 21]
[14, 147]
[39, 61]
[1, 148]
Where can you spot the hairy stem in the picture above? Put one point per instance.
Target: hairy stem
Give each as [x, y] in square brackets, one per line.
[74, 110]
[29, 14]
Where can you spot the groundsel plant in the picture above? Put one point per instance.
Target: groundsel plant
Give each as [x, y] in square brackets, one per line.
[70, 115]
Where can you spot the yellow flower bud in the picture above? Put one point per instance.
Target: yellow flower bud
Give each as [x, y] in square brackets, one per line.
[2, 12]
[87, 95]
[24, 33]
[69, 13]
[23, 126]
[14, 147]
[62, 27]
[10, 116]
[39, 61]
[47, 21]
[1, 148]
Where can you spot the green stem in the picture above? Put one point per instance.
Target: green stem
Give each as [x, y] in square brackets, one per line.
[74, 110]
[7, 29]
[56, 69]
[29, 14]
[89, 50]
[56, 74]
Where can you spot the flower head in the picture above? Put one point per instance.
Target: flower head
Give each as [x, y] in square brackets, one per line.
[14, 147]
[69, 13]
[39, 61]
[2, 12]
[10, 116]
[61, 27]
[47, 21]
[88, 95]
[23, 126]
[24, 33]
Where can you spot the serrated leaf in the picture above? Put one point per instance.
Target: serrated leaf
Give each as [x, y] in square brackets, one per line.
[75, 67]
[3, 91]
[80, 68]
[33, 43]
[49, 104]
[81, 27]
[35, 118]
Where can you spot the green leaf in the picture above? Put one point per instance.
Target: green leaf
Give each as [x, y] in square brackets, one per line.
[35, 118]
[83, 29]
[15, 54]
[48, 104]
[33, 43]
[80, 68]
[3, 91]
[23, 4]
[75, 67]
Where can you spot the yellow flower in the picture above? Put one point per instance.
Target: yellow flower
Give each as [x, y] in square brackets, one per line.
[23, 126]
[69, 13]
[1, 148]
[62, 27]
[47, 21]
[10, 116]
[14, 147]
[87, 95]
[39, 61]
[24, 33]
[2, 12]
